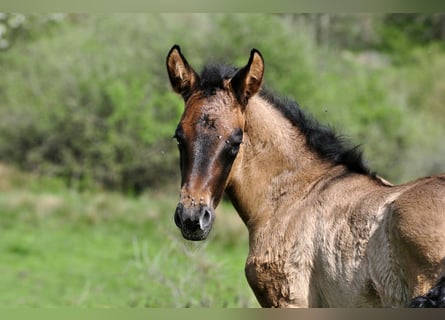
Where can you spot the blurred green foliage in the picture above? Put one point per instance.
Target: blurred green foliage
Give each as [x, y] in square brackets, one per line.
[86, 97]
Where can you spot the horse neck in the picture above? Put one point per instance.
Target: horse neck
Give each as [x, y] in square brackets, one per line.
[273, 164]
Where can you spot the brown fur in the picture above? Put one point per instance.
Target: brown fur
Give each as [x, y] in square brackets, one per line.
[319, 234]
[357, 241]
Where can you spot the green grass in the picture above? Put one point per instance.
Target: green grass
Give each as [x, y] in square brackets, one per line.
[63, 248]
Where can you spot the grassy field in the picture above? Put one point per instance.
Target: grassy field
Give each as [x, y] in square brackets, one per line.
[64, 248]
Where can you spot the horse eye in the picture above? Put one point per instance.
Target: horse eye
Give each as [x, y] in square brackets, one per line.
[235, 141]
[233, 146]
[178, 136]
[179, 142]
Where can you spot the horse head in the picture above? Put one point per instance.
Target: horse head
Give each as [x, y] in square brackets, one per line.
[209, 134]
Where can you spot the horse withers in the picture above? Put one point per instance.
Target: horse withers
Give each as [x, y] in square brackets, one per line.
[324, 231]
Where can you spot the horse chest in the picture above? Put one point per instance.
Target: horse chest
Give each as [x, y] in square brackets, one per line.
[268, 281]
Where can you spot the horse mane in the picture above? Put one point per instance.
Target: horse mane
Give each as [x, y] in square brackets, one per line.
[323, 140]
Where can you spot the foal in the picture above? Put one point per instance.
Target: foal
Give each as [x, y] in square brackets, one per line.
[323, 230]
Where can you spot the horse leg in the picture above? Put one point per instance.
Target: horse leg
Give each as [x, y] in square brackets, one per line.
[435, 298]
[275, 287]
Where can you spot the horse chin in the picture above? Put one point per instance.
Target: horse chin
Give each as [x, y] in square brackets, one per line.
[199, 235]
[196, 234]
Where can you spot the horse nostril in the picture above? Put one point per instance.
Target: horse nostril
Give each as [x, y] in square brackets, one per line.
[205, 219]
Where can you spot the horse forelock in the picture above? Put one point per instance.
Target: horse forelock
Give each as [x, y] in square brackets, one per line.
[213, 77]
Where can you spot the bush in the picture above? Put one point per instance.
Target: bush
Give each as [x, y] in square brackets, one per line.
[90, 112]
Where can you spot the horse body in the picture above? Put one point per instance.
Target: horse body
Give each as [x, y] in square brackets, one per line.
[323, 231]
[325, 236]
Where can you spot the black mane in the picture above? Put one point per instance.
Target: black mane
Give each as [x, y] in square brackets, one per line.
[322, 140]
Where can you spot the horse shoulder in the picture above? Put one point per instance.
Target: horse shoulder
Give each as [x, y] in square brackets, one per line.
[351, 230]
[354, 259]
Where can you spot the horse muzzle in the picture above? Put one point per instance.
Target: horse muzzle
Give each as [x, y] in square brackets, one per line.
[195, 222]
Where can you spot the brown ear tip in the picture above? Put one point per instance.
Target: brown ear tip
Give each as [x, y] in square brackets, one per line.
[174, 48]
[255, 51]
[256, 55]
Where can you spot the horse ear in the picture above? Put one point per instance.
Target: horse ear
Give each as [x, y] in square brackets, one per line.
[182, 77]
[247, 81]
